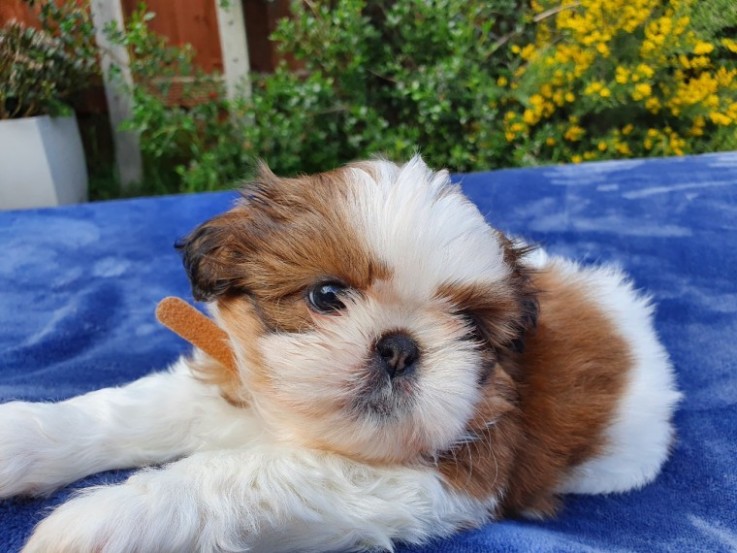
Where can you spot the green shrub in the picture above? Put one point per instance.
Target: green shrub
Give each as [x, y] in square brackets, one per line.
[472, 84]
[388, 77]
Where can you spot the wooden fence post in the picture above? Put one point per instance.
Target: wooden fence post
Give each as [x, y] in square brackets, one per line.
[234, 47]
[120, 104]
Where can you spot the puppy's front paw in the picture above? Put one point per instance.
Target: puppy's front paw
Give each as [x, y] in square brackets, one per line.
[135, 516]
[102, 520]
[28, 450]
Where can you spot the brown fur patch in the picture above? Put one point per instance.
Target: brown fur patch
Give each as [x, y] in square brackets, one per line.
[284, 236]
[569, 379]
[498, 314]
[501, 315]
[261, 258]
[481, 466]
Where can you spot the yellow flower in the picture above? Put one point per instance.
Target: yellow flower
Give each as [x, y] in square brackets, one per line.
[641, 91]
[627, 129]
[691, 91]
[605, 92]
[527, 52]
[682, 24]
[730, 45]
[732, 111]
[530, 117]
[725, 77]
[574, 133]
[502, 81]
[570, 97]
[594, 88]
[720, 119]
[647, 48]
[696, 130]
[576, 158]
[603, 49]
[623, 148]
[700, 62]
[645, 70]
[653, 105]
[622, 75]
[602, 146]
[550, 141]
[515, 49]
[702, 47]
[676, 143]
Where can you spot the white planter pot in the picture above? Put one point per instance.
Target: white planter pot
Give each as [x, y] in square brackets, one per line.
[41, 162]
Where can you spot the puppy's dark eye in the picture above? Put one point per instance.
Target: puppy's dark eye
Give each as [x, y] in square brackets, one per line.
[325, 297]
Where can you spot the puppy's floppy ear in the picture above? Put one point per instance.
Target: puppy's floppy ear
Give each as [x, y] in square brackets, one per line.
[215, 254]
[503, 320]
[210, 257]
[527, 294]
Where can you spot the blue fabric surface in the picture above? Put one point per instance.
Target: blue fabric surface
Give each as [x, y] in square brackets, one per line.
[78, 287]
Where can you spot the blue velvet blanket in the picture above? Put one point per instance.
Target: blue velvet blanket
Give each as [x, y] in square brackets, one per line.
[78, 287]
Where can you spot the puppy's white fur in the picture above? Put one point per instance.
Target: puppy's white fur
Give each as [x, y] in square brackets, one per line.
[246, 480]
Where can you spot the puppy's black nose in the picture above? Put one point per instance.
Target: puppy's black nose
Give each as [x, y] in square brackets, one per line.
[397, 353]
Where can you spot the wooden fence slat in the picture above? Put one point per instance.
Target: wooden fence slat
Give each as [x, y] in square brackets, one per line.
[234, 48]
[120, 104]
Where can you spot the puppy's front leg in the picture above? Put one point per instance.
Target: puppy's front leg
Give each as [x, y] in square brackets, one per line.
[155, 419]
[268, 498]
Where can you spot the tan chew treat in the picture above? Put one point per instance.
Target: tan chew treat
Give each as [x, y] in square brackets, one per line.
[198, 329]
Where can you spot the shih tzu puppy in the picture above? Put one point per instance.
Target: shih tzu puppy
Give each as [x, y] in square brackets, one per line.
[403, 371]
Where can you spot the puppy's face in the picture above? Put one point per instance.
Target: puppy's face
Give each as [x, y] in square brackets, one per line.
[367, 306]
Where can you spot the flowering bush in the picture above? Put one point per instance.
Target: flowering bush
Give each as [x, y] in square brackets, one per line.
[472, 84]
[623, 78]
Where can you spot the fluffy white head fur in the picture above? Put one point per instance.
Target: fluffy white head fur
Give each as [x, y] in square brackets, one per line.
[426, 230]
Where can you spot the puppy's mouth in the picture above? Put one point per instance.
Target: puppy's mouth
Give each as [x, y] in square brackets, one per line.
[383, 395]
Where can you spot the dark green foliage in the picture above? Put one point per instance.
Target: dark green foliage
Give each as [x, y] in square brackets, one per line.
[391, 77]
[40, 69]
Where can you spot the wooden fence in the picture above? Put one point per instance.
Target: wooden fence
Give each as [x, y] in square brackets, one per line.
[195, 22]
